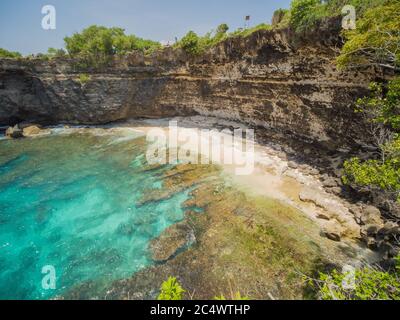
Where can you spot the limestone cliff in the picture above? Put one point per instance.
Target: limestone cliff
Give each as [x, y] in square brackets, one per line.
[272, 79]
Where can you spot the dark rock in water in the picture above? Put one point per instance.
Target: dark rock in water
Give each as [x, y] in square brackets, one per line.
[126, 229]
[176, 238]
[14, 132]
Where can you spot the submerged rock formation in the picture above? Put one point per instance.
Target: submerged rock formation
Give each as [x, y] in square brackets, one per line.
[174, 240]
[273, 79]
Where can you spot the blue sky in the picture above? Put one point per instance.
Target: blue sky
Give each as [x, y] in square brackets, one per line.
[20, 20]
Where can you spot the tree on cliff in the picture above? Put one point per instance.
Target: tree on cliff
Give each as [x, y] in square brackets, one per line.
[9, 54]
[52, 52]
[381, 110]
[222, 29]
[190, 43]
[376, 40]
[96, 44]
[376, 43]
[304, 13]
[194, 44]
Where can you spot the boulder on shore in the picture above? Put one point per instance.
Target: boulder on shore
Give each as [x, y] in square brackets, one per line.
[31, 131]
[371, 215]
[333, 209]
[24, 130]
[14, 132]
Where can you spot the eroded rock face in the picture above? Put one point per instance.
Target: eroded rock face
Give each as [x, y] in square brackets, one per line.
[371, 215]
[272, 79]
[341, 220]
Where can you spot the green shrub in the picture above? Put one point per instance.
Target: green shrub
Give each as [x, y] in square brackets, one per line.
[55, 53]
[84, 78]
[383, 104]
[95, 45]
[171, 290]
[281, 18]
[368, 283]
[305, 13]
[382, 110]
[334, 7]
[195, 45]
[221, 31]
[190, 43]
[220, 34]
[374, 173]
[375, 41]
[9, 54]
[249, 31]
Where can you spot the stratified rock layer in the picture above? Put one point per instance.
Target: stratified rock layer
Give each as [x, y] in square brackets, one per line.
[273, 79]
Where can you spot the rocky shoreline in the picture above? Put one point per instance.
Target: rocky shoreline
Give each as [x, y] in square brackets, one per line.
[285, 86]
[379, 227]
[340, 212]
[218, 208]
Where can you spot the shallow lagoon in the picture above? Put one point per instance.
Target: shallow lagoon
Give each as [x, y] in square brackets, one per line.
[69, 201]
[86, 202]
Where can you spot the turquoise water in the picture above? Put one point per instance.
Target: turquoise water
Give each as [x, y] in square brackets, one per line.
[69, 201]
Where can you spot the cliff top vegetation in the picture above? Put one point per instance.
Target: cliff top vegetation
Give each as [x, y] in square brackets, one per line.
[377, 25]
